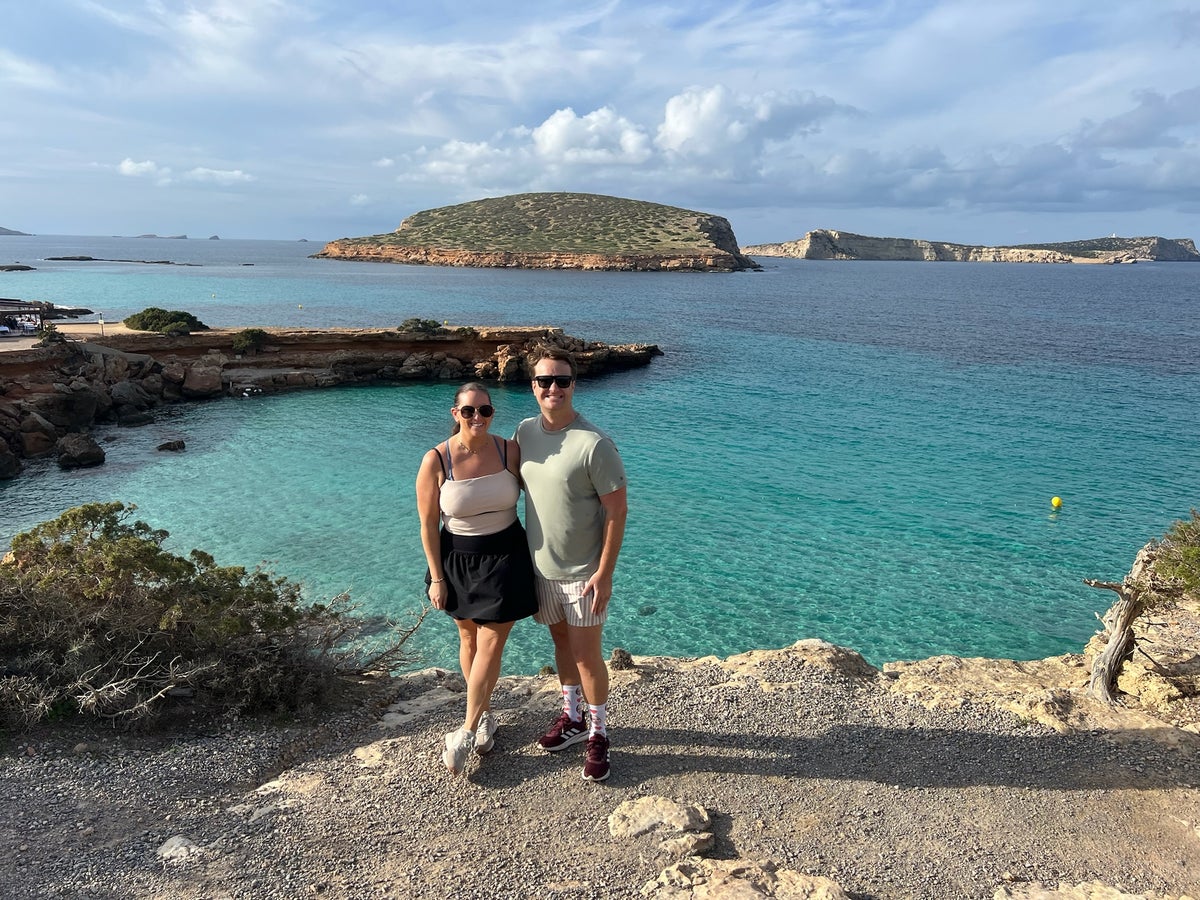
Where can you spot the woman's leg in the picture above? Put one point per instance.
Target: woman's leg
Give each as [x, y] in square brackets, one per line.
[467, 646]
[485, 669]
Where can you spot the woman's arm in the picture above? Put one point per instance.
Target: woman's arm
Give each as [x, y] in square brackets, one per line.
[429, 490]
[514, 459]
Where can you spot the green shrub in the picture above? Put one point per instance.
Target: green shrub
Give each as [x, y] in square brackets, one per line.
[165, 321]
[249, 340]
[420, 326]
[1179, 554]
[96, 618]
[49, 334]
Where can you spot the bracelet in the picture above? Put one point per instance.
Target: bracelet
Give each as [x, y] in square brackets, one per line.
[436, 580]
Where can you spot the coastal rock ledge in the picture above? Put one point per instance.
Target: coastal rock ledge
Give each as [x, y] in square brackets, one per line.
[49, 393]
[801, 772]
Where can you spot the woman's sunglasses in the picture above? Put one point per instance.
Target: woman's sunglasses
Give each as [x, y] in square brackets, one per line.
[468, 412]
[544, 381]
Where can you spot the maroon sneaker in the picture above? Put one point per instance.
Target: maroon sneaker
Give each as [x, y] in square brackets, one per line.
[563, 733]
[596, 767]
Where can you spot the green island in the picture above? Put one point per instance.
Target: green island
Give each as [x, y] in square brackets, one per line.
[557, 230]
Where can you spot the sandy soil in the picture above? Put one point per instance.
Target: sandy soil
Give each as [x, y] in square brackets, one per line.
[80, 331]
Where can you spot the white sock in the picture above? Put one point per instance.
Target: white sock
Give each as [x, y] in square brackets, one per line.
[573, 701]
[599, 715]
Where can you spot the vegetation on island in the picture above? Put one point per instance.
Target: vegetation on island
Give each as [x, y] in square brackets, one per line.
[553, 223]
[98, 619]
[165, 321]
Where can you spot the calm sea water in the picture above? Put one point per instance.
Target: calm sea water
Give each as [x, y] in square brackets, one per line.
[861, 452]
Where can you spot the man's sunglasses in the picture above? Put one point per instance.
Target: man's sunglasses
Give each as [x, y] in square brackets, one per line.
[468, 412]
[544, 381]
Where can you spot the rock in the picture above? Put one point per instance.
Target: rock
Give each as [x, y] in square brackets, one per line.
[174, 373]
[68, 410]
[177, 848]
[620, 659]
[739, 879]
[10, 463]
[686, 845]
[634, 817]
[36, 443]
[130, 394]
[131, 416]
[171, 446]
[202, 381]
[76, 451]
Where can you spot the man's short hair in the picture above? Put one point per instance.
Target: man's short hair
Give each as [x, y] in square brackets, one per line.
[537, 354]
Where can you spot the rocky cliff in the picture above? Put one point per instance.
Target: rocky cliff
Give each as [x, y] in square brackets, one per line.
[713, 261]
[827, 244]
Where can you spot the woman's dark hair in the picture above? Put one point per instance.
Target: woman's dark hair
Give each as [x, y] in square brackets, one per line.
[466, 389]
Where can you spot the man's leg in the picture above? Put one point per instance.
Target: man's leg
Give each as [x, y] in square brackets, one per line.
[589, 658]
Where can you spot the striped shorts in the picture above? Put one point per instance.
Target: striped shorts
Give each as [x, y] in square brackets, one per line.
[558, 600]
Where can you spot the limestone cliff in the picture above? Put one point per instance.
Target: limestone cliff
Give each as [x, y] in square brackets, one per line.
[555, 231]
[828, 244]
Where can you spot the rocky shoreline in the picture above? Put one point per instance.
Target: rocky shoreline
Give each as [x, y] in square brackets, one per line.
[825, 243]
[51, 396]
[795, 773]
[714, 260]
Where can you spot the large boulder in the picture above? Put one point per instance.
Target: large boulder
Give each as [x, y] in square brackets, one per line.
[76, 451]
[202, 382]
[131, 394]
[66, 408]
[38, 436]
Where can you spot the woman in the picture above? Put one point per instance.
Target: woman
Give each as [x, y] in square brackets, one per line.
[479, 566]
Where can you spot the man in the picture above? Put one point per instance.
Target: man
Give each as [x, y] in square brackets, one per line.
[575, 508]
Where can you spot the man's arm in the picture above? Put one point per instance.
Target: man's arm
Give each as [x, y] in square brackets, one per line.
[616, 509]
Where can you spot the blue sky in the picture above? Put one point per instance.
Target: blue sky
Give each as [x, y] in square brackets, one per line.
[980, 122]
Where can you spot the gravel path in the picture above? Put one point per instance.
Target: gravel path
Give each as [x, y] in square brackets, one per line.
[820, 771]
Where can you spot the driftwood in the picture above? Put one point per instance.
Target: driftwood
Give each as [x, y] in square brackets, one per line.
[1138, 591]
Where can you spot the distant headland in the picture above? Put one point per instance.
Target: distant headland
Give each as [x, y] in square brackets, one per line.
[555, 231]
[18, 233]
[826, 244]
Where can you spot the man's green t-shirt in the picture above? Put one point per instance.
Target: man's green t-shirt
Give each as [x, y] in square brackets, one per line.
[566, 473]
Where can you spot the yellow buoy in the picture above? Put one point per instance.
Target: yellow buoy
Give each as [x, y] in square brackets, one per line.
[299, 306]
[1056, 502]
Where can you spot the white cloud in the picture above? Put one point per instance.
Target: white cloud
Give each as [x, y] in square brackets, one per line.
[718, 125]
[600, 136]
[218, 176]
[146, 169]
[384, 163]
[359, 200]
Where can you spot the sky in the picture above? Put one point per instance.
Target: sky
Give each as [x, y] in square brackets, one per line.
[991, 122]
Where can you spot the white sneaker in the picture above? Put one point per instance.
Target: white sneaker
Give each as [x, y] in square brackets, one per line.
[485, 733]
[459, 744]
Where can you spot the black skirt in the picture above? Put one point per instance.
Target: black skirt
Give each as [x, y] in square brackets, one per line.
[489, 576]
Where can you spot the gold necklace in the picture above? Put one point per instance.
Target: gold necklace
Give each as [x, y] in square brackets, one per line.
[463, 445]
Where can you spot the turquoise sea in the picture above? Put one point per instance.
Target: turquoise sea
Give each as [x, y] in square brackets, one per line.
[861, 452]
